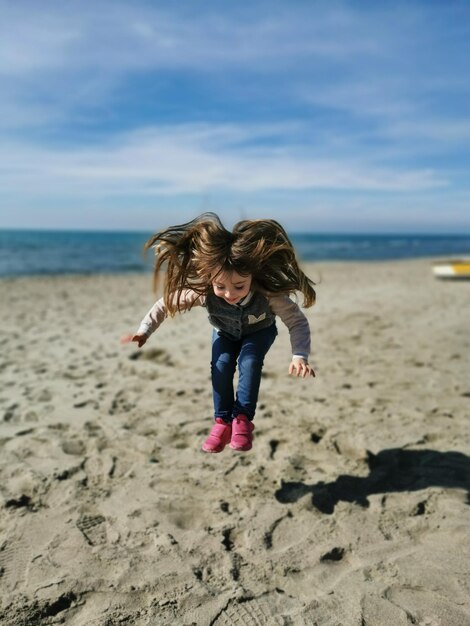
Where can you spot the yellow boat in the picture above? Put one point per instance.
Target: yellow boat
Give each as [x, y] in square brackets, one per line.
[455, 268]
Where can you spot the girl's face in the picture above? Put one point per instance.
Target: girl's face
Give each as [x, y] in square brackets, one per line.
[232, 287]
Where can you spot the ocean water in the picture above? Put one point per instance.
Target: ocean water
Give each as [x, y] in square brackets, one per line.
[27, 252]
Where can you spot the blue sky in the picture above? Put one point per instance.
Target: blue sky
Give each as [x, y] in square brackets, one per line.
[328, 116]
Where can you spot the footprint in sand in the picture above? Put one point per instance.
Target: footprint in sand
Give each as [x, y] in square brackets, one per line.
[155, 355]
[74, 447]
[317, 435]
[378, 610]
[427, 606]
[100, 468]
[93, 528]
[121, 404]
[15, 558]
[271, 608]
[332, 610]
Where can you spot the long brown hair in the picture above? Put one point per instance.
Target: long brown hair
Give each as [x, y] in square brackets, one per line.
[195, 252]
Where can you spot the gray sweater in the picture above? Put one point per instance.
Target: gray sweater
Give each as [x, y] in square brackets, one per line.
[256, 311]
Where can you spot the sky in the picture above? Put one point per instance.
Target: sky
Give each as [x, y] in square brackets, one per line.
[327, 116]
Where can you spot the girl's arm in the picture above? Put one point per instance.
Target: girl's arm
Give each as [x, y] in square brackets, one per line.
[157, 315]
[299, 331]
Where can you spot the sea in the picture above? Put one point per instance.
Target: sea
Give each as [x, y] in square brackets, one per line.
[41, 252]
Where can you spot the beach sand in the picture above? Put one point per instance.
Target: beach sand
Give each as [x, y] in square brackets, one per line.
[352, 509]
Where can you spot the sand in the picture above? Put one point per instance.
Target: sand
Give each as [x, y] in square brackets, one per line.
[351, 509]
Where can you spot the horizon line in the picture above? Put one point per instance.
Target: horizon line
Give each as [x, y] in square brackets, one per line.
[410, 233]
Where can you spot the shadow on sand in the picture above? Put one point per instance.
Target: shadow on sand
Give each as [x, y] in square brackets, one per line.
[393, 470]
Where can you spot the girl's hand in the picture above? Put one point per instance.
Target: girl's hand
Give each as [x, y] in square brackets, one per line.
[138, 339]
[300, 367]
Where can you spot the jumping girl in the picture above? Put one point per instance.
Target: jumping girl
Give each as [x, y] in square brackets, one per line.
[243, 278]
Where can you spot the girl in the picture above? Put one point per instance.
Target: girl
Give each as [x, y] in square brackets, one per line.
[243, 278]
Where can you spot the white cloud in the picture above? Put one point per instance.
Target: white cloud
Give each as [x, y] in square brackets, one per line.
[199, 158]
[121, 35]
[433, 130]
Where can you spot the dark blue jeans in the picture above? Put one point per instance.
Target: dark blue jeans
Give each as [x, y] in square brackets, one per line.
[250, 352]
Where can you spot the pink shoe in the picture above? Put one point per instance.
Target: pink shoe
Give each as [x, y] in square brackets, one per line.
[219, 436]
[241, 433]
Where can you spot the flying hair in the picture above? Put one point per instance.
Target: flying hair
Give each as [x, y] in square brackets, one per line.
[193, 254]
